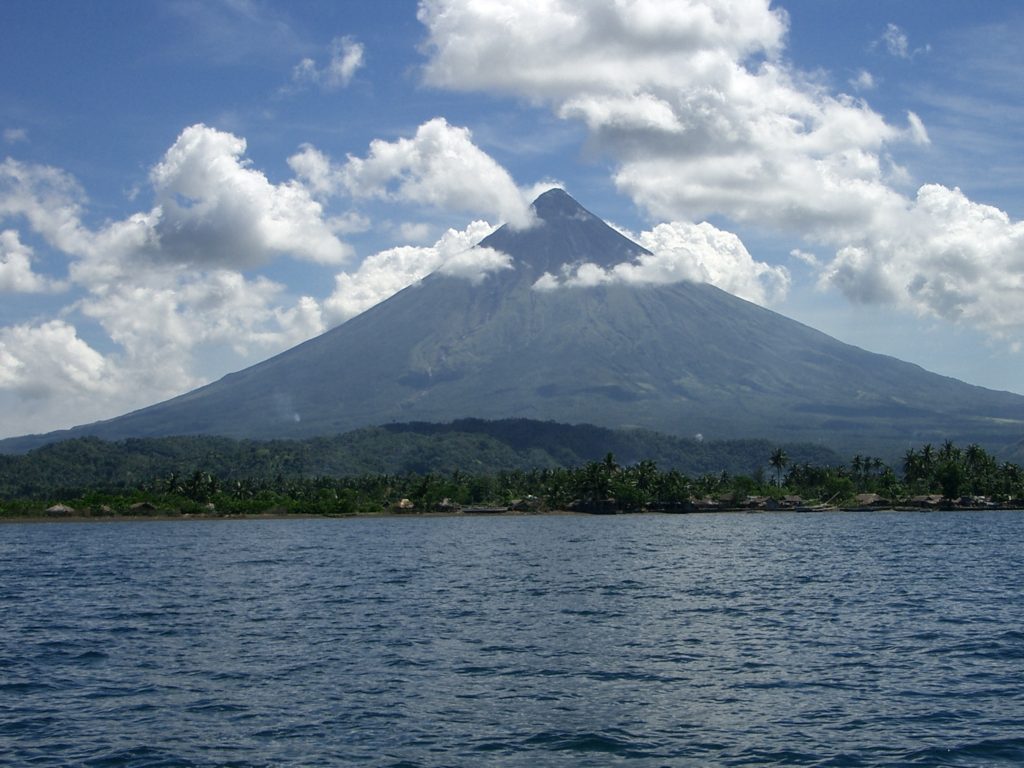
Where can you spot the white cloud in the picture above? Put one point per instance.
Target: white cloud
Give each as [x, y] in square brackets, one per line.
[346, 59]
[803, 256]
[710, 255]
[441, 167]
[212, 209]
[895, 40]
[918, 133]
[162, 326]
[50, 378]
[48, 199]
[684, 252]
[558, 50]
[314, 168]
[46, 359]
[897, 44]
[946, 257]
[642, 112]
[16, 274]
[474, 264]
[863, 81]
[547, 282]
[186, 310]
[386, 273]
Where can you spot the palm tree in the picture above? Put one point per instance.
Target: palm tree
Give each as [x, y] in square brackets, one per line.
[778, 460]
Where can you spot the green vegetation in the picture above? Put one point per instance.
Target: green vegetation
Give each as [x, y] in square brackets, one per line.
[226, 477]
[473, 446]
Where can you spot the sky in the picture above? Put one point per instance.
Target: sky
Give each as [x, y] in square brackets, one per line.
[188, 187]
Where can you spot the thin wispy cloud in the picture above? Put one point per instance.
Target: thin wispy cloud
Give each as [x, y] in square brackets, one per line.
[896, 43]
[346, 58]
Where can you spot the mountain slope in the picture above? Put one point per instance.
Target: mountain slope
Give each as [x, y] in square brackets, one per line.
[684, 358]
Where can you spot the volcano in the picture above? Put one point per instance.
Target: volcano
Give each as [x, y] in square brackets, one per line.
[684, 358]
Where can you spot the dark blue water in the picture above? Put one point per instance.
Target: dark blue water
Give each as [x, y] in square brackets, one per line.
[784, 639]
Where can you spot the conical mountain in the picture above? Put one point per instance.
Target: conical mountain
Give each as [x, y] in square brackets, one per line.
[685, 358]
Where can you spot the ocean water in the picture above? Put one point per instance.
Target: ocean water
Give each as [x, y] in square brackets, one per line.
[776, 639]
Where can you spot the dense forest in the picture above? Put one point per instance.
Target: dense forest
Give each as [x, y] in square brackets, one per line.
[484, 466]
[473, 446]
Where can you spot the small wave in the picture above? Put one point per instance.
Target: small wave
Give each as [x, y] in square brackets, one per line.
[91, 656]
[139, 757]
[614, 742]
[985, 752]
[26, 687]
[26, 725]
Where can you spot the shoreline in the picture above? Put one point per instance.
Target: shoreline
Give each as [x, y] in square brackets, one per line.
[162, 517]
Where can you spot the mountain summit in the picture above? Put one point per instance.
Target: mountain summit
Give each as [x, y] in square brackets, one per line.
[565, 233]
[684, 358]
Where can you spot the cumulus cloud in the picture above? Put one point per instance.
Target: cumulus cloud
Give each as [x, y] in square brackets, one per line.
[558, 50]
[189, 310]
[345, 60]
[713, 256]
[16, 274]
[51, 378]
[441, 167]
[48, 199]
[160, 327]
[684, 252]
[386, 273]
[212, 209]
[315, 170]
[14, 135]
[38, 360]
[949, 257]
[474, 264]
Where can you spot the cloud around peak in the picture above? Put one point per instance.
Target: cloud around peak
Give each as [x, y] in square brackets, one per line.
[681, 252]
[385, 273]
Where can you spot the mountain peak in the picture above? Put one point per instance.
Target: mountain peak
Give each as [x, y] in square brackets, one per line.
[558, 204]
[566, 233]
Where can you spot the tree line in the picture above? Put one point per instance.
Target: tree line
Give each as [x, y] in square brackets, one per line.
[598, 485]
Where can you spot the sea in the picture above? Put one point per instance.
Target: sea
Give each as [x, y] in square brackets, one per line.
[822, 639]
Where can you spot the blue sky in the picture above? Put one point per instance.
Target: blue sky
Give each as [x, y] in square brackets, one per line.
[189, 187]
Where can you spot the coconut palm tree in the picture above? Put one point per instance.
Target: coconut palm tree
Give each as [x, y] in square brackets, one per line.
[778, 461]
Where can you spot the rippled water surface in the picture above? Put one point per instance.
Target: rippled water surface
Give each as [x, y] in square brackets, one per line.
[835, 640]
